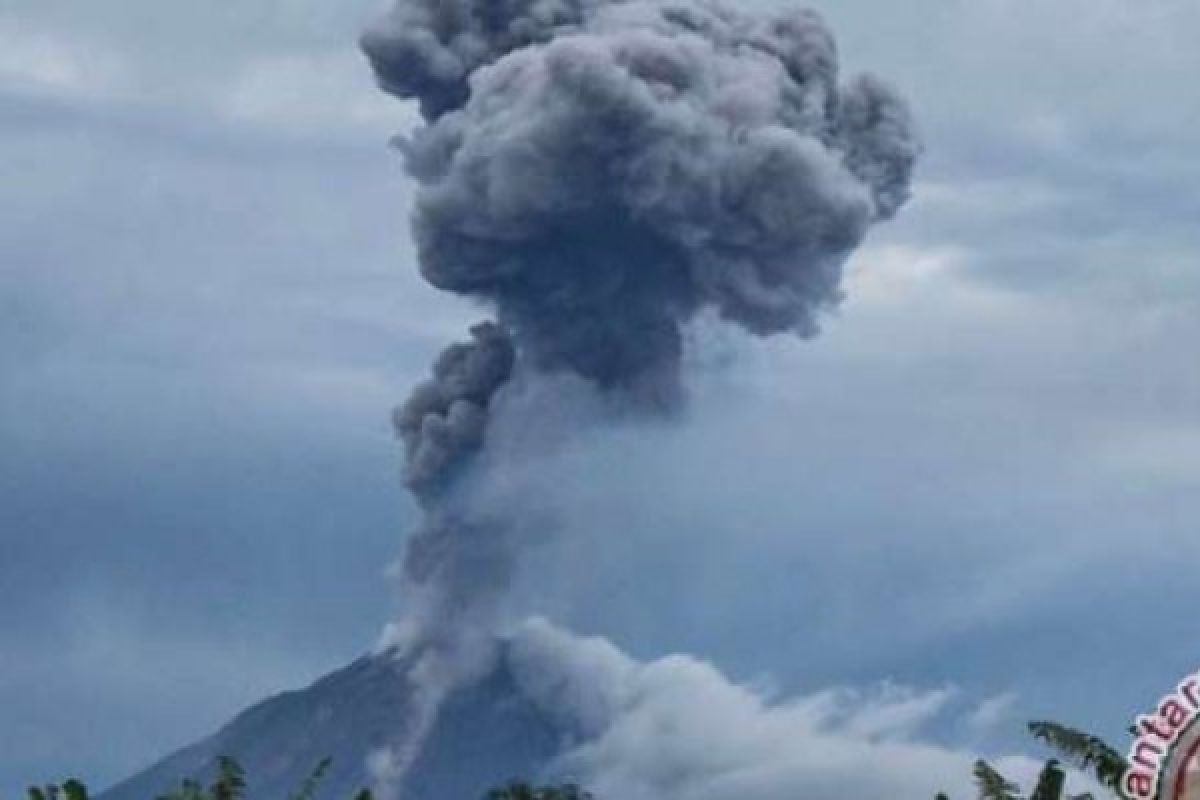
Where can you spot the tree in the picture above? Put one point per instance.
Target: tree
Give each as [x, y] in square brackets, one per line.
[74, 790]
[1050, 782]
[229, 784]
[231, 780]
[308, 789]
[519, 790]
[992, 785]
[1082, 750]
[1089, 753]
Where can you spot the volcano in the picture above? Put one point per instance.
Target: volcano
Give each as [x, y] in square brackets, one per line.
[486, 733]
[550, 706]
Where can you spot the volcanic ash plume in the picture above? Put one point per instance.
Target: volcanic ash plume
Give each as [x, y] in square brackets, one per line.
[597, 172]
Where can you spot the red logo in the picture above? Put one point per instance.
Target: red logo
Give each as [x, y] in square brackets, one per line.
[1163, 757]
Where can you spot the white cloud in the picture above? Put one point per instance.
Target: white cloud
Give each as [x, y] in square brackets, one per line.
[893, 712]
[297, 91]
[991, 712]
[677, 729]
[39, 61]
[892, 274]
[328, 92]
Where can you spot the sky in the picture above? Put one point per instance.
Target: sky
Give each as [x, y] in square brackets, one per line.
[982, 475]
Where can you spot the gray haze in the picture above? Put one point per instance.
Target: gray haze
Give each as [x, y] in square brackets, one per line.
[211, 301]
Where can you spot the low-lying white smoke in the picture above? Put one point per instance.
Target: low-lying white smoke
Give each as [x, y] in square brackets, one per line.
[677, 729]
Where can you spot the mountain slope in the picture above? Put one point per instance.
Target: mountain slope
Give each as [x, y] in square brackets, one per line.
[485, 734]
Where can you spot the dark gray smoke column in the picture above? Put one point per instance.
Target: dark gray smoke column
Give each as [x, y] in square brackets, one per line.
[600, 171]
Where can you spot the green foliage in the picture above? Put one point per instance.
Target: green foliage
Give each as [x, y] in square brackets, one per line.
[188, 790]
[992, 785]
[74, 790]
[1088, 753]
[518, 790]
[52, 791]
[308, 789]
[1050, 782]
[229, 784]
[1084, 751]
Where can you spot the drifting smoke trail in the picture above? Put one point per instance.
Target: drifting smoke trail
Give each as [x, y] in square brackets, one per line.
[598, 172]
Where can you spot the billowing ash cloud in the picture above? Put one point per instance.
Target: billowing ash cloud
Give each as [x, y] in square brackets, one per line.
[598, 172]
[428, 49]
[443, 421]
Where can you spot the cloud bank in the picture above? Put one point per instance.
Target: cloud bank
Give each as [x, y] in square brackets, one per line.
[677, 729]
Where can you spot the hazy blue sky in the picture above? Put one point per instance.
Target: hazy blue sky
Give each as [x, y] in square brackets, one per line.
[984, 474]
